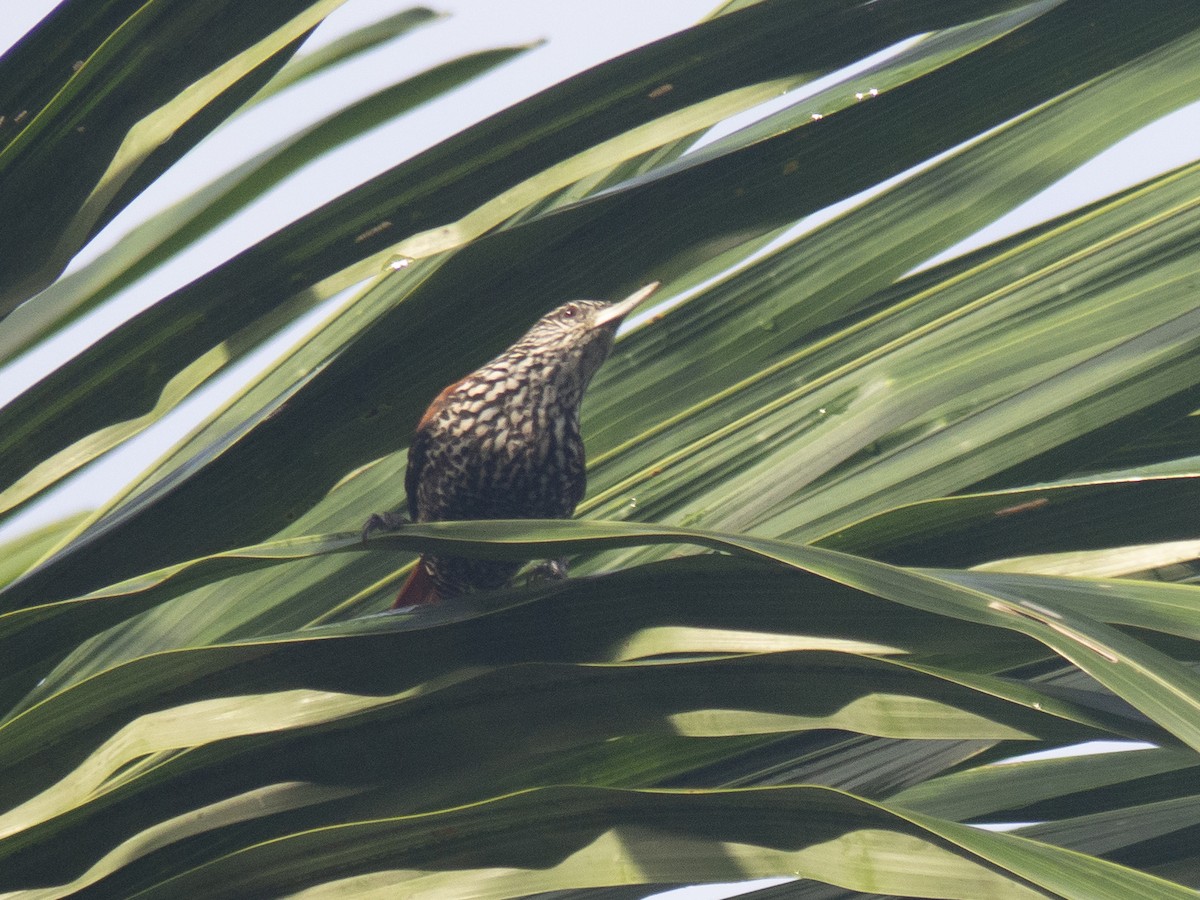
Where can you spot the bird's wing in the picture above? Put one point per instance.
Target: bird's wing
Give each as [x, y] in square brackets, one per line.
[418, 588]
[418, 450]
[417, 454]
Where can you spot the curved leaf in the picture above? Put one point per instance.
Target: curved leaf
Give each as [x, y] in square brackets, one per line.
[560, 841]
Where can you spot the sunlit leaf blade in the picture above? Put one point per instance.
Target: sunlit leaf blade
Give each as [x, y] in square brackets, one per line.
[1165, 690]
[1136, 835]
[1035, 790]
[854, 424]
[510, 706]
[970, 529]
[734, 837]
[19, 554]
[340, 50]
[680, 610]
[1165, 608]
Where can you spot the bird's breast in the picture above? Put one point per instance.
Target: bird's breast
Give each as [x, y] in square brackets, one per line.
[503, 448]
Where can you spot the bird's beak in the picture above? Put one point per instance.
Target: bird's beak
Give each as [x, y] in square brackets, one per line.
[619, 311]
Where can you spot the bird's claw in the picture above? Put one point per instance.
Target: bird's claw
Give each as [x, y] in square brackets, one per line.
[550, 570]
[388, 521]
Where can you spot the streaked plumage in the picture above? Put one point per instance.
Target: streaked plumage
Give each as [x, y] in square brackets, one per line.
[504, 442]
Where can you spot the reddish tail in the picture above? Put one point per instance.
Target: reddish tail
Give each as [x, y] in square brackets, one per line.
[418, 588]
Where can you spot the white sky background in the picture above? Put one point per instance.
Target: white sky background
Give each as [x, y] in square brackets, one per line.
[579, 35]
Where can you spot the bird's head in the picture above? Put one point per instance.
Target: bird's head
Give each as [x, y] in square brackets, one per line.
[579, 334]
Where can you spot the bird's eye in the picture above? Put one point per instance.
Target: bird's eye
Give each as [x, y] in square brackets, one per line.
[569, 312]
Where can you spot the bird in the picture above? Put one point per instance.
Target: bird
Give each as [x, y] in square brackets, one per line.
[504, 443]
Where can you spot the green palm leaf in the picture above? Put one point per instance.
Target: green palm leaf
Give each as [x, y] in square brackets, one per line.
[859, 529]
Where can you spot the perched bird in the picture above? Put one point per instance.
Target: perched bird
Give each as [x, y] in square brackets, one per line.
[504, 443]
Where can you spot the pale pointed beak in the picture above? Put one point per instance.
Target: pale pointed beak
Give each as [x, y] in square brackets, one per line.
[619, 311]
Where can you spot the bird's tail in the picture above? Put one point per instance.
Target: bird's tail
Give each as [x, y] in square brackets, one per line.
[418, 588]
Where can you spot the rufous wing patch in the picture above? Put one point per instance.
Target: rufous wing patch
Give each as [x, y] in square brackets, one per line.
[418, 588]
[438, 404]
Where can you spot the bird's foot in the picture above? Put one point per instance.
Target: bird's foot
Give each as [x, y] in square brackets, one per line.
[550, 570]
[388, 521]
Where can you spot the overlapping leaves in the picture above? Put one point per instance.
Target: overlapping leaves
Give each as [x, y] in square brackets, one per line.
[840, 438]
